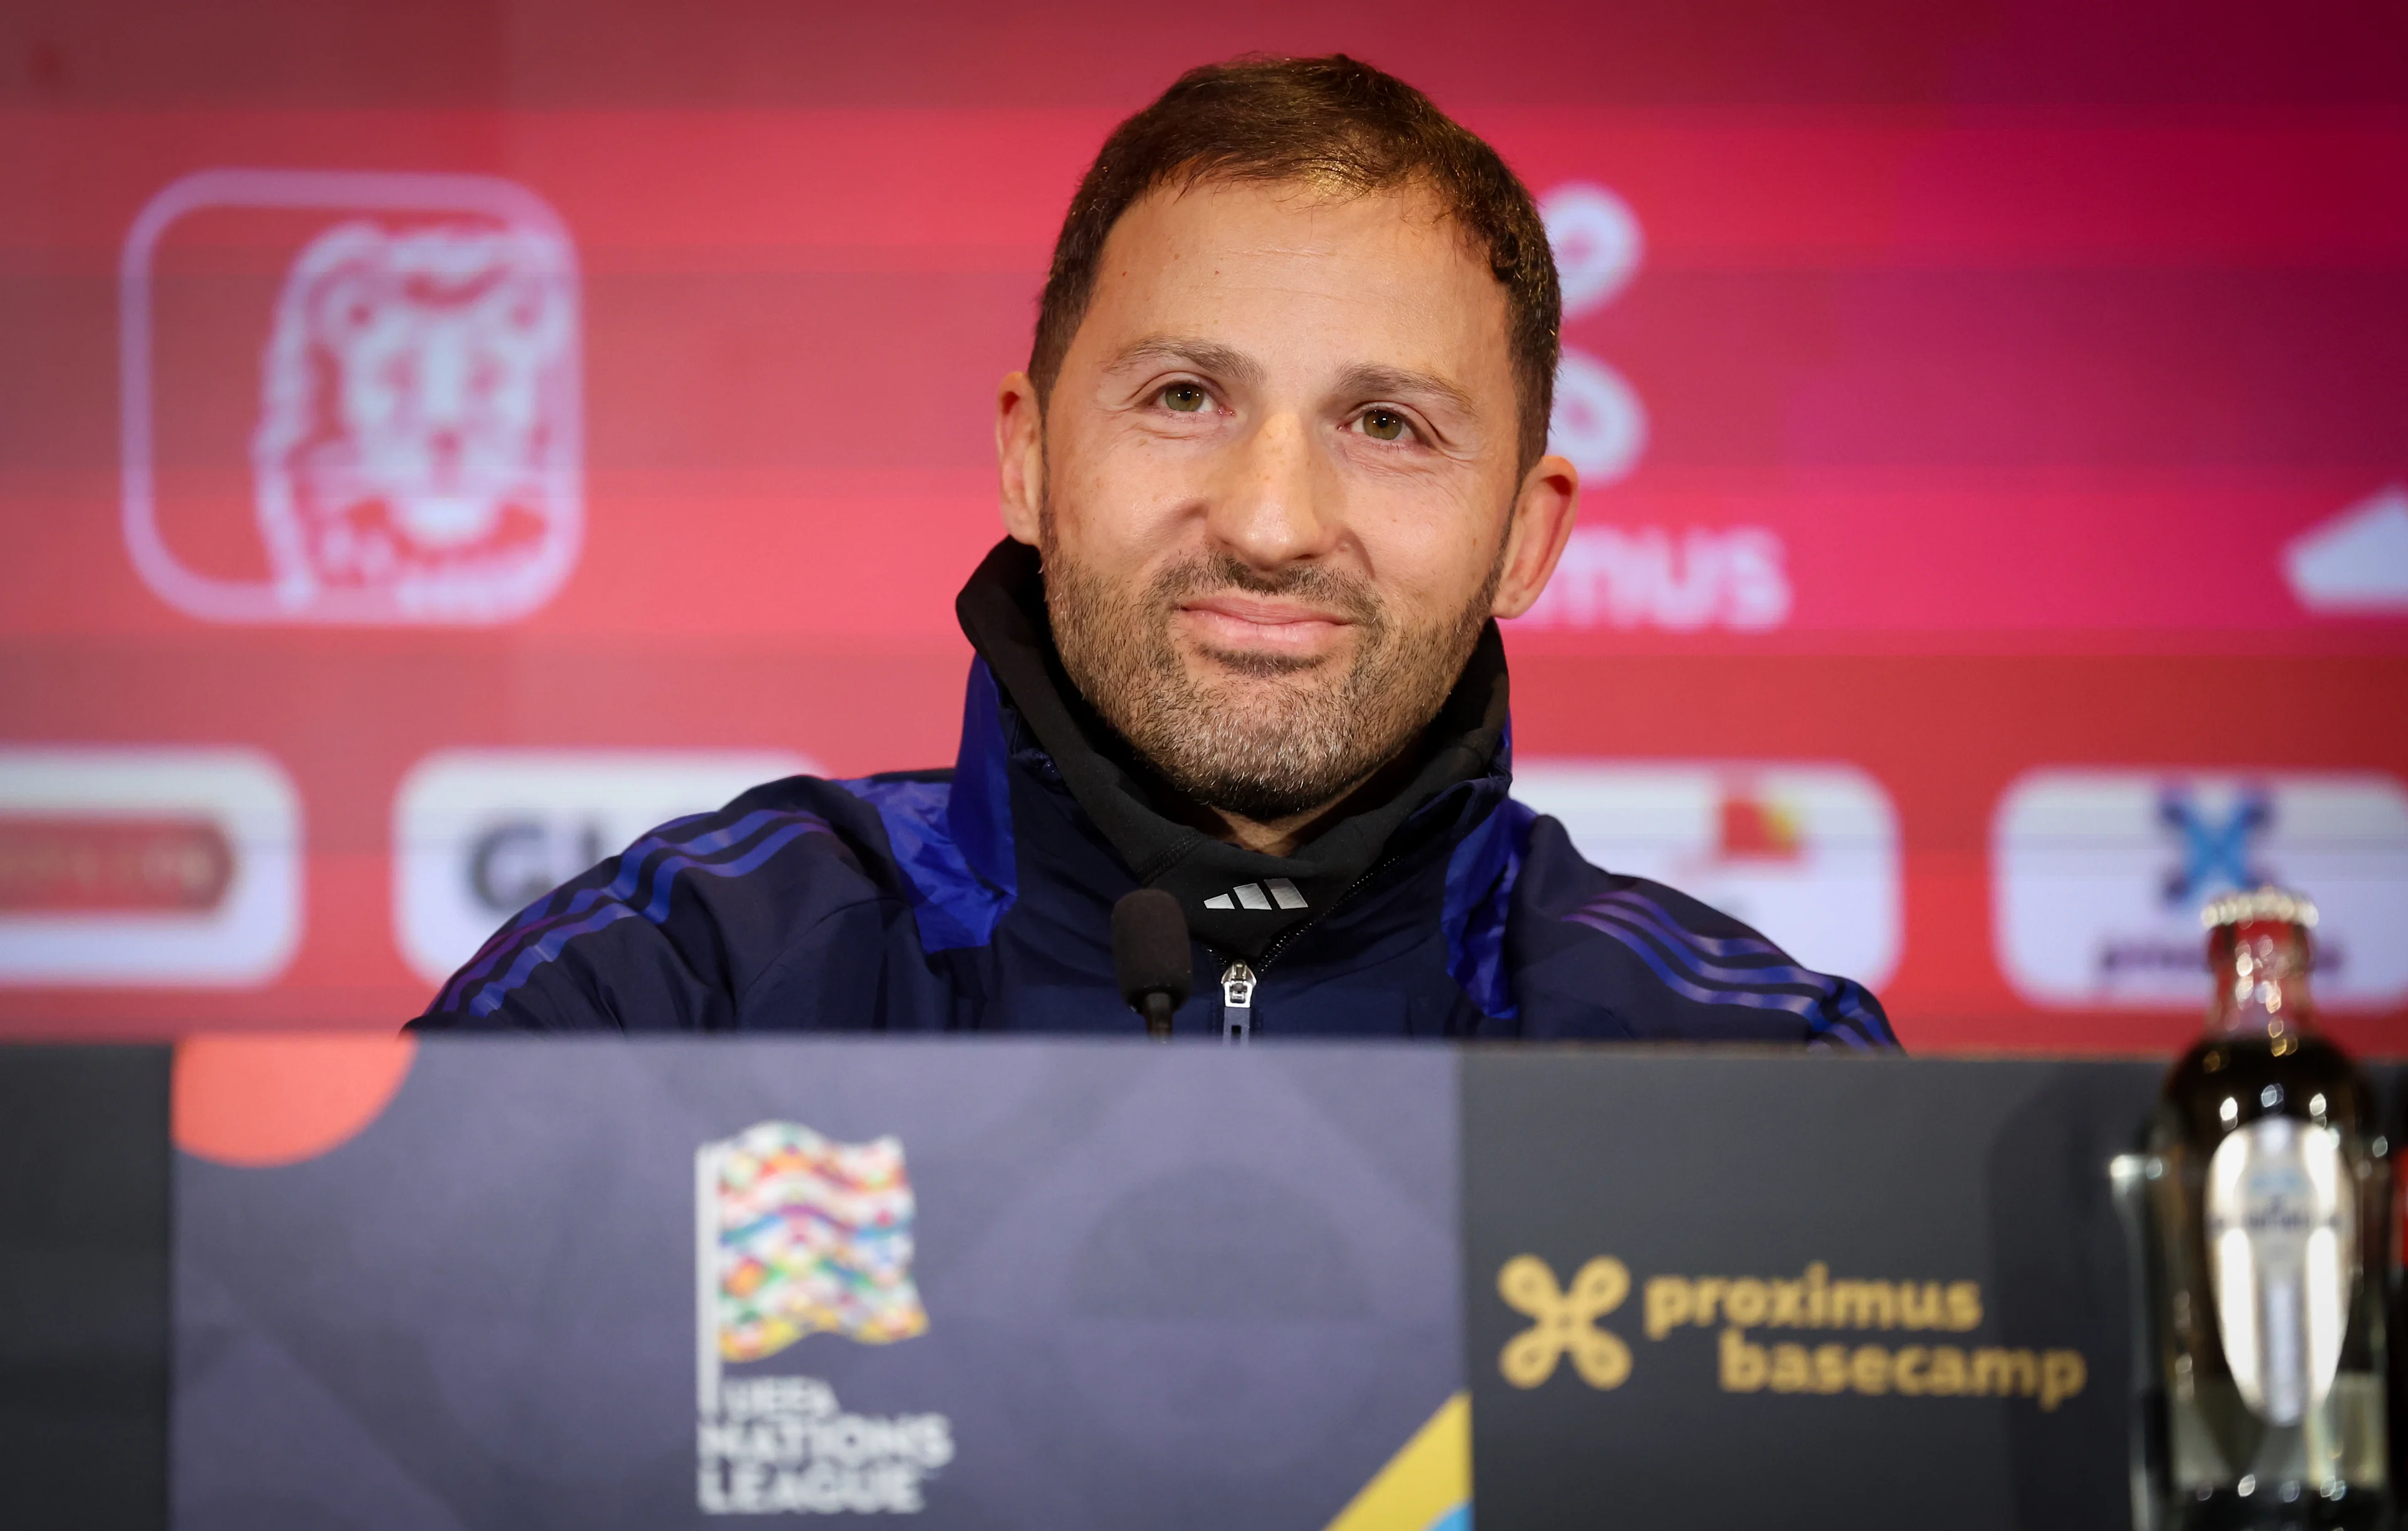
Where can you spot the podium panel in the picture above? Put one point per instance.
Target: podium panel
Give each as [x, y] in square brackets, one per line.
[987, 1285]
[1835, 1292]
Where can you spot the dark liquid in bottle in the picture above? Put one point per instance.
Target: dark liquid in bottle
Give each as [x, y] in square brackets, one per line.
[2231, 1466]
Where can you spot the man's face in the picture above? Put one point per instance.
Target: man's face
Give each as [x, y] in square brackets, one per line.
[1276, 490]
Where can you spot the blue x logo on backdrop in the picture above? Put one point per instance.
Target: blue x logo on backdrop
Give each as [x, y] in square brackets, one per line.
[2215, 852]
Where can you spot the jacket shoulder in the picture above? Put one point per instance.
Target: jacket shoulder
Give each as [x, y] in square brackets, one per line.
[674, 930]
[1602, 954]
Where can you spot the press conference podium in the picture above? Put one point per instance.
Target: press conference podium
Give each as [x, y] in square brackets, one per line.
[472, 1283]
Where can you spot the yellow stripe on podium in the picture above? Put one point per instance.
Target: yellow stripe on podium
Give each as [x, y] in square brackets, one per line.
[1425, 1487]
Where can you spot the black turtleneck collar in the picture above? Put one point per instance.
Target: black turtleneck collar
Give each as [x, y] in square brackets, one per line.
[1002, 610]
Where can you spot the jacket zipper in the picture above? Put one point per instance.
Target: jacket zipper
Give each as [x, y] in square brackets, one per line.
[1237, 1003]
[1239, 981]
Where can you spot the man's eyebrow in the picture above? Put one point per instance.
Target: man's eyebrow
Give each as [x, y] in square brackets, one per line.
[1210, 357]
[1401, 383]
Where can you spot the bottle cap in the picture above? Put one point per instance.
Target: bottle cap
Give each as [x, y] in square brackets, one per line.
[2259, 904]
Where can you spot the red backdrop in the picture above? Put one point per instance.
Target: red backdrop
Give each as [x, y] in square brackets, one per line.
[1997, 416]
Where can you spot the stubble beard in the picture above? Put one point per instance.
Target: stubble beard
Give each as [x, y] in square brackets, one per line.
[1267, 737]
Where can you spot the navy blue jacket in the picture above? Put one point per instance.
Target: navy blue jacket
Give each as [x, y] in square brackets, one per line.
[980, 898]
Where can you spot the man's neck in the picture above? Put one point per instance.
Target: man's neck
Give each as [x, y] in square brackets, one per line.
[1278, 838]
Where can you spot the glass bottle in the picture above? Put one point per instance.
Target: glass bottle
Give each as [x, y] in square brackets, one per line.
[2269, 1182]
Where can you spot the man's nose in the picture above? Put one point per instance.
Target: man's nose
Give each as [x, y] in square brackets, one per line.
[1276, 505]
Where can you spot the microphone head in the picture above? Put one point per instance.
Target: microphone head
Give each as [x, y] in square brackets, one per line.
[1150, 950]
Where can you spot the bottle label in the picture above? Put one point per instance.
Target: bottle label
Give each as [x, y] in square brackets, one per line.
[2282, 1236]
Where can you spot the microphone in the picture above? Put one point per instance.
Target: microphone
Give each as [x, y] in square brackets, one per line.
[1150, 957]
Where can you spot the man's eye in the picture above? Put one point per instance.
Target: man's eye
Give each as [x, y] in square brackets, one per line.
[1186, 397]
[1385, 426]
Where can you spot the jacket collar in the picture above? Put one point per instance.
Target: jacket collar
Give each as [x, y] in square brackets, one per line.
[1235, 900]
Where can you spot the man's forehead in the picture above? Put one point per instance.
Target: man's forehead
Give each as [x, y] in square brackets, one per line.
[1191, 262]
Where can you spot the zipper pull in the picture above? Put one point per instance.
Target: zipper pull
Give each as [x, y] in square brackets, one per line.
[1237, 1003]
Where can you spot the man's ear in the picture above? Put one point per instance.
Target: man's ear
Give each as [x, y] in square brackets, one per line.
[1543, 513]
[1020, 455]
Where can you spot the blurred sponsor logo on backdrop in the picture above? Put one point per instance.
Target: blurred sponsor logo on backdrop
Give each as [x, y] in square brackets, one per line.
[1679, 579]
[408, 345]
[1598, 420]
[1734, 578]
[2355, 563]
[1806, 852]
[2099, 876]
[481, 834]
[124, 867]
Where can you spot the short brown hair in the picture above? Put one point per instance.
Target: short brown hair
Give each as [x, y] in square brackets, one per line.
[1333, 121]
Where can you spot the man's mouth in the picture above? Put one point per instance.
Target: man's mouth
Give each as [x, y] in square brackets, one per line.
[1262, 626]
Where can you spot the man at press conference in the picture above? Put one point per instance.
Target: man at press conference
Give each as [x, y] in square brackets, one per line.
[1276, 468]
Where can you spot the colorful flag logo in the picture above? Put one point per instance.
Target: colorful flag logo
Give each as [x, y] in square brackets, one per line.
[812, 1235]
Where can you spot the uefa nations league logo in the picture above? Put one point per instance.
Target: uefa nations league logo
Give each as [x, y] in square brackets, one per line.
[415, 452]
[795, 1236]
